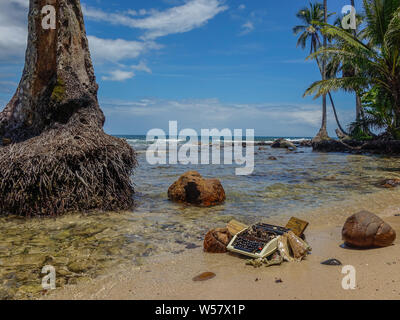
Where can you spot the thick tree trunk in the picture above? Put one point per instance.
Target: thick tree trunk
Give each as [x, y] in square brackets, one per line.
[58, 80]
[55, 156]
[323, 134]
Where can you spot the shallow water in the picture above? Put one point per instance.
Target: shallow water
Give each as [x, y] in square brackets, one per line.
[83, 246]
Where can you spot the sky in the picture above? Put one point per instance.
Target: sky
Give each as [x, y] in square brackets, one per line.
[204, 63]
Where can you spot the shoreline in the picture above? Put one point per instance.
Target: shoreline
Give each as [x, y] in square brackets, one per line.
[170, 276]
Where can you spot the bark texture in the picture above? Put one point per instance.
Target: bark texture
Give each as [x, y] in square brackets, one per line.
[58, 83]
[55, 155]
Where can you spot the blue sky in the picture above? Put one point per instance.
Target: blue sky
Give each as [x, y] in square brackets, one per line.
[206, 63]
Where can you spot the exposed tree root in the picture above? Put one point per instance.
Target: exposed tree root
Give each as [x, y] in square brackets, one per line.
[66, 170]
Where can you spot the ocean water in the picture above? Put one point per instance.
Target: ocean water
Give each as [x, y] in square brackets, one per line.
[84, 246]
[300, 179]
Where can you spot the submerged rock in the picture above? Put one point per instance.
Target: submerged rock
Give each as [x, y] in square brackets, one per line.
[365, 230]
[282, 143]
[192, 188]
[389, 183]
[216, 240]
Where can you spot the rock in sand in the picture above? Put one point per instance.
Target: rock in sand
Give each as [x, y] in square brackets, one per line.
[366, 230]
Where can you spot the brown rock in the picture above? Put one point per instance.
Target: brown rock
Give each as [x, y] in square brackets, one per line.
[365, 230]
[216, 240]
[389, 183]
[192, 188]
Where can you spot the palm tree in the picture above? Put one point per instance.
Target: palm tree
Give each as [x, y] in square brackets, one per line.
[323, 134]
[358, 99]
[312, 18]
[376, 57]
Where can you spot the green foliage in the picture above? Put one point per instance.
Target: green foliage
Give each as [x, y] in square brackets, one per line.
[358, 130]
[374, 53]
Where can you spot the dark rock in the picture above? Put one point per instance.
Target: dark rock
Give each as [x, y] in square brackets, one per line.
[332, 262]
[272, 158]
[305, 143]
[365, 230]
[216, 240]
[192, 188]
[278, 280]
[379, 146]
[282, 143]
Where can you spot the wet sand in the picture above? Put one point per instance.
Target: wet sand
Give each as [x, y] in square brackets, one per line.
[170, 276]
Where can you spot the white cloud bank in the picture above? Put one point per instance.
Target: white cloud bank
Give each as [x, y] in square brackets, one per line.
[179, 19]
[137, 117]
[115, 50]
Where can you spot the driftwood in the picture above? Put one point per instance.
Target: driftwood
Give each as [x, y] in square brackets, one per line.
[55, 156]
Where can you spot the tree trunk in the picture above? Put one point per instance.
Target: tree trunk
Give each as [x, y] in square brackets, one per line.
[58, 81]
[55, 156]
[341, 132]
[323, 134]
[358, 99]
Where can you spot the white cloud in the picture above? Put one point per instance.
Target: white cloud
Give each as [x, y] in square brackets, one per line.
[265, 118]
[13, 29]
[242, 7]
[178, 19]
[118, 75]
[247, 28]
[116, 50]
[142, 66]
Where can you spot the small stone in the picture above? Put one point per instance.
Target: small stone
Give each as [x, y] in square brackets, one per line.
[278, 280]
[272, 158]
[191, 246]
[204, 276]
[332, 262]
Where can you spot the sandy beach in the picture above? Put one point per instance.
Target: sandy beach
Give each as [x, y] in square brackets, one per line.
[170, 276]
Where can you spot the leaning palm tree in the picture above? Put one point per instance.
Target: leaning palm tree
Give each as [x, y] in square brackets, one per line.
[312, 18]
[376, 57]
